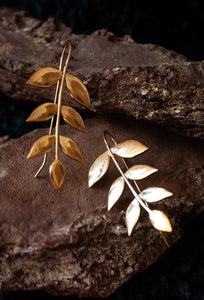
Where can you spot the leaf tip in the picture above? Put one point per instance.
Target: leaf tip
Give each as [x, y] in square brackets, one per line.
[90, 182]
[160, 221]
[57, 173]
[170, 228]
[81, 160]
[31, 153]
[129, 231]
[28, 81]
[109, 206]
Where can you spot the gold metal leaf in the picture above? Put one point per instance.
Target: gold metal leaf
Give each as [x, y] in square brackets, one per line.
[78, 90]
[132, 215]
[128, 149]
[43, 112]
[70, 148]
[98, 168]
[138, 172]
[42, 145]
[73, 118]
[45, 77]
[115, 191]
[57, 173]
[154, 194]
[160, 221]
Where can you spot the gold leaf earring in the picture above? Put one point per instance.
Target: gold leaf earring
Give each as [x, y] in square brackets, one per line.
[129, 149]
[46, 77]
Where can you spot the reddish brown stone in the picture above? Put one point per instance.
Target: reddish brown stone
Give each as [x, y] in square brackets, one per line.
[146, 82]
[64, 241]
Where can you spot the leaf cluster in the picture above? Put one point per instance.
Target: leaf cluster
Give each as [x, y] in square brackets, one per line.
[46, 77]
[129, 149]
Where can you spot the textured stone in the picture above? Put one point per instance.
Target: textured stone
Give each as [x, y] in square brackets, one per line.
[146, 82]
[65, 242]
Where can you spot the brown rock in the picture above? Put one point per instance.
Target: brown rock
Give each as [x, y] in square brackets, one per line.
[64, 241]
[146, 82]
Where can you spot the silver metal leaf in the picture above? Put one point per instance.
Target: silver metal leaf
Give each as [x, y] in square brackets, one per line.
[115, 191]
[98, 168]
[132, 215]
[160, 221]
[128, 149]
[139, 172]
[154, 194]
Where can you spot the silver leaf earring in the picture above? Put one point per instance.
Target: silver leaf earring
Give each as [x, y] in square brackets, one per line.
[129, 149]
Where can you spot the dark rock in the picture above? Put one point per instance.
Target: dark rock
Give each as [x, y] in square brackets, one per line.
[3, 139]
[65, 242]
[146, 82]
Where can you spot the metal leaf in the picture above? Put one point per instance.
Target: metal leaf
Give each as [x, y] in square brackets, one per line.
[73, 118]
[57, 173]
[78, 90]
[70, 148]
[139, 172]
[154, 194]
[128, 149]
[132, 215]
[43, 112]
[45, 77]
[160, 221]
[42, 145]
[115, 191]
[98, 168]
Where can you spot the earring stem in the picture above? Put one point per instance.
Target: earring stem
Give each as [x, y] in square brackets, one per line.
[59, 103]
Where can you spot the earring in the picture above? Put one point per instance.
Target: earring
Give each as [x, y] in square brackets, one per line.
[129, 149]
[46, 77]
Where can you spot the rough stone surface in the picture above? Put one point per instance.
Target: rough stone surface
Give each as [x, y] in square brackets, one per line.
[65, 242]
[146, 82]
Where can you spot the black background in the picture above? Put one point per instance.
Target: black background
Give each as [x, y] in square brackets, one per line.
[176, 25]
